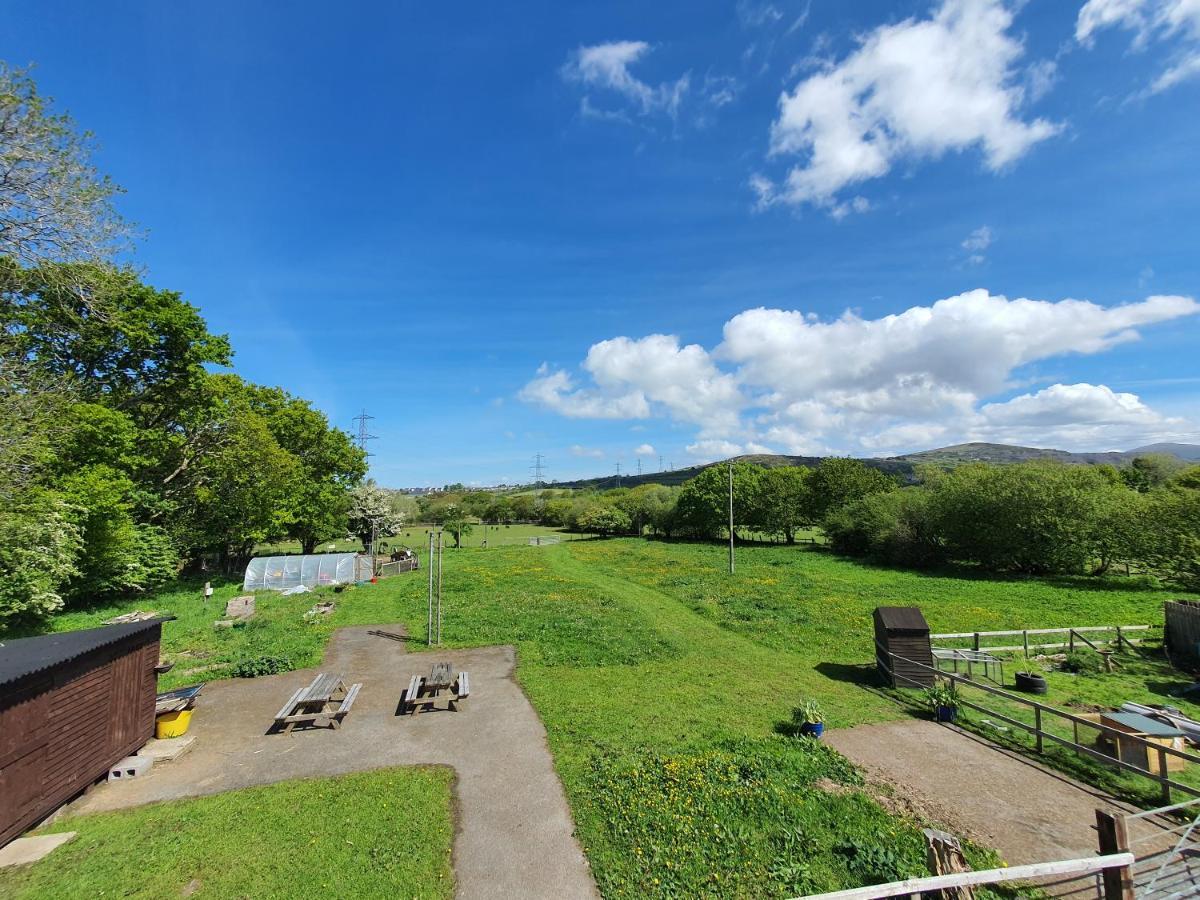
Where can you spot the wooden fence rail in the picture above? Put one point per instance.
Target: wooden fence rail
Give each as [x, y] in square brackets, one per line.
[1120, 637]
[1063, 868]
[1040, 734]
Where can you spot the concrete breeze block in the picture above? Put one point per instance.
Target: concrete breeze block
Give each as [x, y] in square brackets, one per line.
[130, 767]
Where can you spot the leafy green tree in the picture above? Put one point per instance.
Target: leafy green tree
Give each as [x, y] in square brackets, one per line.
[1030, 517]
[38, 548]
[784, 493]
[837, 481]
[117, 554]
[604, 518]
[456, 522]
[703, 506]
[1145, 473]
[330, 463]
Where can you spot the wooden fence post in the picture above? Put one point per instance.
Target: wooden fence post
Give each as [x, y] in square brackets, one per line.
[977, 641]
[1037, 724]
[1071, 642]
[1114, 838]
[1025, 641]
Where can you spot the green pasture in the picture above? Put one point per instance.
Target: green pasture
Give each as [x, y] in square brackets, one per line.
[667, 685]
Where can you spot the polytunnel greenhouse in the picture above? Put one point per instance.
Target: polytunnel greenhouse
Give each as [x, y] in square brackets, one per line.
[279, 573]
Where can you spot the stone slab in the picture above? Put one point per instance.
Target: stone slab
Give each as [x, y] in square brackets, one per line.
[26, 850]
[168, 749]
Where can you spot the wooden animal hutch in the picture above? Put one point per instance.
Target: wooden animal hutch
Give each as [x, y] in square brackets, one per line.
[71, 705]
[902, 639]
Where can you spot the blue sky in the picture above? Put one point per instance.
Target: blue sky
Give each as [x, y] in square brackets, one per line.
[691, 229]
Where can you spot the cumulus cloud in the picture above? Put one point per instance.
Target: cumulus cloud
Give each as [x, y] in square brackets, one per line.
[631, 377]
[606, 67]
[807, 385]
[911, 91]
[1091, 415]
[643, 450]
[1173, 23]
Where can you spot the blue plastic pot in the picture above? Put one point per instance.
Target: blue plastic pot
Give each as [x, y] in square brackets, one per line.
[947, 713]
[812, 729]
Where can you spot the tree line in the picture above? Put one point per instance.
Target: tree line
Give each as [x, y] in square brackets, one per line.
[127, 447]
[1027, 518]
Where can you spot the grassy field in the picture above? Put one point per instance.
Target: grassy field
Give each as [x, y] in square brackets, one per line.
[256, 842]
[665, 683]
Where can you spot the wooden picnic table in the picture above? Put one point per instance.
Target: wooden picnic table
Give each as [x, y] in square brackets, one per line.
[313, 702]
[423, 692]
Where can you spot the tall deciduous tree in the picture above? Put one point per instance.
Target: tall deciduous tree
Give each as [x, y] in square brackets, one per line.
[54, 204]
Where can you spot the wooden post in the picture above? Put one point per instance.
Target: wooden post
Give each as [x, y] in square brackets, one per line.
[977, 642]
[1114, 838]
[1164, 778]
[429, 613]
[1071, 642]
[1025, 641]
[1120, 638]
[1037, 725]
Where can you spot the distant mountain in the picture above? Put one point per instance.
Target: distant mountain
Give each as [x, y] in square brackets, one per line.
[1009, 453]
[766, 460]
[1190, 452]
[902, 465]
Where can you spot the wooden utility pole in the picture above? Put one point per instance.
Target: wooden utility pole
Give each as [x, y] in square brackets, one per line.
[731, 518]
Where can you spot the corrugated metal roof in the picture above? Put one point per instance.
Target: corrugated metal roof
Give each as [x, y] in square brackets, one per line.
[901, 618]
[28, 656]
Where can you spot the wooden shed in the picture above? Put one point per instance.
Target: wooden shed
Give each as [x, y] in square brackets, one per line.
[902, 639]
[71, 705]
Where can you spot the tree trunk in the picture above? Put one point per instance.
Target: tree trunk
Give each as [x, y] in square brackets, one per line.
[308, 545]
[790, 534]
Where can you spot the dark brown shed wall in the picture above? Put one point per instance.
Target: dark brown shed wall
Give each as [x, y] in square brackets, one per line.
[62, 729]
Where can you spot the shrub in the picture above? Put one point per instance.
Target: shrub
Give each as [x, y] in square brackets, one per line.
[255, 666]
[894, 527]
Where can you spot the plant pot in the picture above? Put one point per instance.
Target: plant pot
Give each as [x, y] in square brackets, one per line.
[812, 729]
[1031, 683]
[946, 714]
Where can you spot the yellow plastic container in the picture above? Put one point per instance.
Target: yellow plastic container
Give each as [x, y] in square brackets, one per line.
[172, 724]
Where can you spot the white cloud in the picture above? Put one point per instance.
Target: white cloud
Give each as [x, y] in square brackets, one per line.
[606, 67]
[787, 379]
[914, 90]
[643, 450]
[976, 243]
[1075, 415]
[1151, 21]
[586, 452]
[632, 377]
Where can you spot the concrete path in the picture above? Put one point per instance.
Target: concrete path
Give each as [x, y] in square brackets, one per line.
[515, 836]
[994, 797]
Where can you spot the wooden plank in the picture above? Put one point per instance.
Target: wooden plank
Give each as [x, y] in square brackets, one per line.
[287, 708]
[1086, 866]
[348, 701]
[464, 686]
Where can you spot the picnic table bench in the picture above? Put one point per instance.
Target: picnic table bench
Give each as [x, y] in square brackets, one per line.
[422, 692]
[313, 702]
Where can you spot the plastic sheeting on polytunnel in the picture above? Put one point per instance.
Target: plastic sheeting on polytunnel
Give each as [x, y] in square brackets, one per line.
[278, 573]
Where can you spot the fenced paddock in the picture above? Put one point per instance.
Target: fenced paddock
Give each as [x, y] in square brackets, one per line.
[1016, 721]
[1035, 640]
